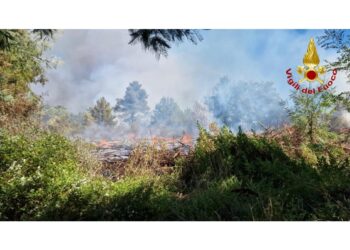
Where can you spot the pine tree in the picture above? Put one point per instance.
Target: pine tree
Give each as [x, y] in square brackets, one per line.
[88, 119]
[337, 40]
[159, 40]
[167, 118]
[23, 61]
[102, 113]
[134, 104]
[166, 113]
[10, 38]
[312, 114]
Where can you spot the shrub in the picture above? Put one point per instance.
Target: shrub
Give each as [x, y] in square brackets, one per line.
[272, 185]
[227, 177]
[42, 179]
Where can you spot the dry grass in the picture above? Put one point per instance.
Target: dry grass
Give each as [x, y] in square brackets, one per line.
[151, 159]
[145, 159]
[21, 107]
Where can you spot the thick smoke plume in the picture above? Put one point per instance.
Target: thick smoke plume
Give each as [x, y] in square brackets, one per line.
[101, 63]
[250, 105]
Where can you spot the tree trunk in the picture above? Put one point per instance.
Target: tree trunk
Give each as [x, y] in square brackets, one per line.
[311, 129]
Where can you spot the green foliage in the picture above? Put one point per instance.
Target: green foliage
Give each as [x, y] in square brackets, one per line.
[308, 154]
[268, 184]
[59, 120]
[32, 149]
[339, 41]
[312, 114]
[10, 38]
[219, 201]
[134, 103]
[228, 177]
[316, 118]
[102, 113]
[22, 62]
[45, 176]
[42, 179]
[159, 40]
[6, 38]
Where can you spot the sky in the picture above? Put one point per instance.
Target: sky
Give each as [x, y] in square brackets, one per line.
[96, 63]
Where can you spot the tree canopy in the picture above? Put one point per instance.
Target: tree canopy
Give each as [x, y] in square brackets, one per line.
[9, 38]
[159, 41]
[102, 112]
[22, 62]
[134, 103]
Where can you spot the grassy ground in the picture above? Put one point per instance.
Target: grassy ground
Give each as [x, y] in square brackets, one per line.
[44, 176]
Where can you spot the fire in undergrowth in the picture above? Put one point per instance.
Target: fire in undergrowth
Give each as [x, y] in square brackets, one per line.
[114, 154]
[131, 139]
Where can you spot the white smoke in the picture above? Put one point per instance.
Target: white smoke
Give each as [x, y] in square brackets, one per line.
[341, 119]
[98, 63]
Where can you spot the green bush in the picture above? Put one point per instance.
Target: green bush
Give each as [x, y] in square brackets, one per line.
[228, 177]
[272, 186]
[41, 180]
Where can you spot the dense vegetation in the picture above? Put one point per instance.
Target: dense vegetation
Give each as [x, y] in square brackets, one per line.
[228, 177]
[300, 172]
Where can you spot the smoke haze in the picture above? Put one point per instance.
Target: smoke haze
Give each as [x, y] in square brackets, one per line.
[101, 63]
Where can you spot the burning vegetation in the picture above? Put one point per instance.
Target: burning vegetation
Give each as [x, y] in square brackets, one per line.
[157, 154]
[259, 160]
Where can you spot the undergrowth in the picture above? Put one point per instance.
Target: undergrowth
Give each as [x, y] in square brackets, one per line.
[44, 176]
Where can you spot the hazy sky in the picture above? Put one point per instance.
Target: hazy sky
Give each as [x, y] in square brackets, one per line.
[99, 63]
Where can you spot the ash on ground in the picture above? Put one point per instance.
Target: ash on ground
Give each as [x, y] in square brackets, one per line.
[115, 154]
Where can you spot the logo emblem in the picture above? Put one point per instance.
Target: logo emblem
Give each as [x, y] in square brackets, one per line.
[311, 72]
